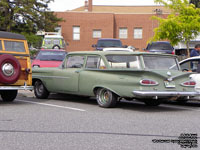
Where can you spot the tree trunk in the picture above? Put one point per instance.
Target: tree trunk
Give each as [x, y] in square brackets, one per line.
[188, 49]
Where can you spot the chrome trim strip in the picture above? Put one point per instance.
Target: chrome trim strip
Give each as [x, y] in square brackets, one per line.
[16, 87]
[164, 93]
[59, 77]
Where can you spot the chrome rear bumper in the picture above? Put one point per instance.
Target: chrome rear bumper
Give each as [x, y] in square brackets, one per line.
[165, 94]
[16, 87]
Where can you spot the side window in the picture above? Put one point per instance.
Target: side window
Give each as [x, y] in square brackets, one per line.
[14, 46]
[75, 62]
[0, 45]
[190, 66]
[93, 62]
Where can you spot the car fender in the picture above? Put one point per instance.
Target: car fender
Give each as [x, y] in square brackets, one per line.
[101, 86]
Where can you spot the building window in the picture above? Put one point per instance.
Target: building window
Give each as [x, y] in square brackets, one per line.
[123, 33]
[76, 33]
[137, 33]
[96, 33]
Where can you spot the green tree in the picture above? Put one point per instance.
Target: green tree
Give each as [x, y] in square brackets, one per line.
[27, 17]
[183, 24]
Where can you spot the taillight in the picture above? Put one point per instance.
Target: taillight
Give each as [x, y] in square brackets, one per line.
[148, 82]
[189, 83]
[173, 53]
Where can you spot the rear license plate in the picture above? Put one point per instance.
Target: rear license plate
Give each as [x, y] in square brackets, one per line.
[169, 84]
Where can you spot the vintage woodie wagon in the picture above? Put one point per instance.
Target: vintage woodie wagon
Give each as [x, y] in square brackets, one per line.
[15, 65]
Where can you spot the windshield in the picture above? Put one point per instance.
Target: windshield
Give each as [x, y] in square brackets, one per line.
[109, 43]
[123, 61]
[51, 55]
[160, 62]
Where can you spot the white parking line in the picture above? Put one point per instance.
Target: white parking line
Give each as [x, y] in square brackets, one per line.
[51, 105]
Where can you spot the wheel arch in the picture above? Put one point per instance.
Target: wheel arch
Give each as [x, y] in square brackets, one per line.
[100, 86]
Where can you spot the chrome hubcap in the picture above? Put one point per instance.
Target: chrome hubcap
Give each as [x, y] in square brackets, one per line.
[8, 69]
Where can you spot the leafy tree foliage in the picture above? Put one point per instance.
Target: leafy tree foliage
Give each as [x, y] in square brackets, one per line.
[27, 17]
[183, 24]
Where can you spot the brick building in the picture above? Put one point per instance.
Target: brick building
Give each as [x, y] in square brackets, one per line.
[132, 24]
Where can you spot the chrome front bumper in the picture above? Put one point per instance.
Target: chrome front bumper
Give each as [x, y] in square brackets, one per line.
[16, 87]
[165, 94]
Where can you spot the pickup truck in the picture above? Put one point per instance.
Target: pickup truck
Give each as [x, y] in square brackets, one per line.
[106, 43]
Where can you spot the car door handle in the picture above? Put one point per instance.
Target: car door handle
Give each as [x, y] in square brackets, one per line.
[77, 71]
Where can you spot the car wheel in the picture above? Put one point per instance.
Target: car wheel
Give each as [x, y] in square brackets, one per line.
[106, 98]
[56, 47]
[9, 95]
[10, 69]
[150, 102]
[40, 90]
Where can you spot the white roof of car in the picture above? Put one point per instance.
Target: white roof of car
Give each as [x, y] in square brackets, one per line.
[190, 58]
[118, 49]
[53, 36]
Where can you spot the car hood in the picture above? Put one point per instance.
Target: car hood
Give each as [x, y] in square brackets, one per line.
[46, 63]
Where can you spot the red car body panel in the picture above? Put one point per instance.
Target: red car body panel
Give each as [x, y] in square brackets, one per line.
[41, 64]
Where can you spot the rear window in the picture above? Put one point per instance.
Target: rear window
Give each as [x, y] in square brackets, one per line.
[160, 46]
[51, 55]
[14, 46]
[56, 41]
[160, 62]
[47, 41]
[109, 43]
[123, 61]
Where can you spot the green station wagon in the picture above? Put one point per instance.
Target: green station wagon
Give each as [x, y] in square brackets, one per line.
[111, 76]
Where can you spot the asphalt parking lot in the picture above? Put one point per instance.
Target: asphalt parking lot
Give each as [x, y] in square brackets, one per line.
[75, 123]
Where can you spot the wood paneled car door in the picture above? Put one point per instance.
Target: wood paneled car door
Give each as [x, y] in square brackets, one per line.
[69, 75]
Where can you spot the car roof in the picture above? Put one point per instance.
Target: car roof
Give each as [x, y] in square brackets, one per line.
[9, 35]
[109, 39]
[161, 42]
[190, 58]
[53, 36]
[117, 53]
[56, 50]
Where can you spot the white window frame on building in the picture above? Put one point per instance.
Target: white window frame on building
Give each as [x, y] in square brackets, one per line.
[96, 33]
[123, 33]
[138, 33]
[76, 32]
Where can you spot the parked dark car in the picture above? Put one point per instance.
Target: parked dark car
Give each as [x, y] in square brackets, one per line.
[160, 47]
[106, 43]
